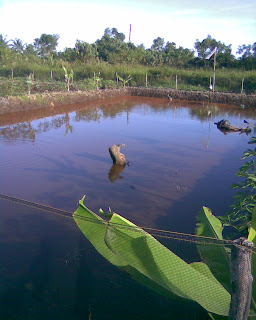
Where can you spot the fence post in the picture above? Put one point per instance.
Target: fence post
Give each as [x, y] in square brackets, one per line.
[241, 279]
[146, 80]
[116, 78]
[176, 82]
[242, 86]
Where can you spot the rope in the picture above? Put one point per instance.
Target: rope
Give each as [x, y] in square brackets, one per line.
[152, 231]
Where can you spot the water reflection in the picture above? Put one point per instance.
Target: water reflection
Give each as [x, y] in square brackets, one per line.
[203, 113]
[115, 171]
[13, 128]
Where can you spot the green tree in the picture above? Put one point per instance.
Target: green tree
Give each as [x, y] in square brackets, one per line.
[46, 44]
[18, 46]
[111, 44]
[158, 44]
[4, 43]
[177, 56]
[204, 47]
[247, 51]
[113, 33]
[69, 54]
[86, 52]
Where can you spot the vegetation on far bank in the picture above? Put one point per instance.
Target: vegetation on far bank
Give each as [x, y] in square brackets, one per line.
[111, 62]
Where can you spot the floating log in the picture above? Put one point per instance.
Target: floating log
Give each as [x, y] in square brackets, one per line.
[116, 155]
[226, 126]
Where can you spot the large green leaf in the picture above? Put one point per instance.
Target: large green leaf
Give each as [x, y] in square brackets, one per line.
[252, 238]
[214, 255]
[135, 251]
[252, 229]
[94, 228]
[155, 261]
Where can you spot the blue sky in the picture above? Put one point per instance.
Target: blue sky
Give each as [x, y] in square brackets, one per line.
[180, 21]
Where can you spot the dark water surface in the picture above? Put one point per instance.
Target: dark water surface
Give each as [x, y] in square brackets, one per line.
[179, 161]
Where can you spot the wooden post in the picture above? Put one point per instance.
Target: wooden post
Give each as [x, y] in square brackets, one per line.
[214, 70]
[12, 73]
[241, 279]
[176, 82]
[146, 80]
[33, 75]
[51, 74]
[242, 86]
[116, 78]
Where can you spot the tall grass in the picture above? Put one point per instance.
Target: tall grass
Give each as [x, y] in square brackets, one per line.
[227, 80]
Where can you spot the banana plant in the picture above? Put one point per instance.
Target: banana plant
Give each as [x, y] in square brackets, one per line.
[124, 81]
[68, 76]
[135, 251]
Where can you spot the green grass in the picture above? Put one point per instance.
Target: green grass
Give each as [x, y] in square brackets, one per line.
[227, 80]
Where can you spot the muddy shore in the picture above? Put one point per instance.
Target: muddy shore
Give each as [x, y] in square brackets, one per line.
[56, 99]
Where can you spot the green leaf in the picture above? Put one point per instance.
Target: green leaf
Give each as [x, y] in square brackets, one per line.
[215, 256]
[253, 140]
[155, 261]
[252, 238]
[208, 225]
[94, 228]
[144, 258]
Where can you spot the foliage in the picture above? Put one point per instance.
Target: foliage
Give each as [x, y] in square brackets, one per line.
[68, 76]
[215, 256]
[46, 44]
[239, 217]
[86, 52]
[207, 45]
[124, 81]
[133, 250]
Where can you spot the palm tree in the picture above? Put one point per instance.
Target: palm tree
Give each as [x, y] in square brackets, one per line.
[3, 41]
[18, 45]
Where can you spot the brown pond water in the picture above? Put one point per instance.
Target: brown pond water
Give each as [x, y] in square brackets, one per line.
[179, 161]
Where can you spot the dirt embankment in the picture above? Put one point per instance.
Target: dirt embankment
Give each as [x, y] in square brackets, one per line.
[54, 99]
[200, 96]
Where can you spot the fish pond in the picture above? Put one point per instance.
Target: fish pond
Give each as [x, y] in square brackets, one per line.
[178, 162]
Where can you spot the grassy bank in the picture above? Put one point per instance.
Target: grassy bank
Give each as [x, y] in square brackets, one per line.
[227, 80]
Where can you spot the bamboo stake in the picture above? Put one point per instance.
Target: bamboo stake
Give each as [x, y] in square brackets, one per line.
[242, 86]
[214, 71]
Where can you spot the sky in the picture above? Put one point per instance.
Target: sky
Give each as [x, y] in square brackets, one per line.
[180, 21]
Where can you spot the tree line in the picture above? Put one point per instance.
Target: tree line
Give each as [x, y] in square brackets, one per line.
[113, 49]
